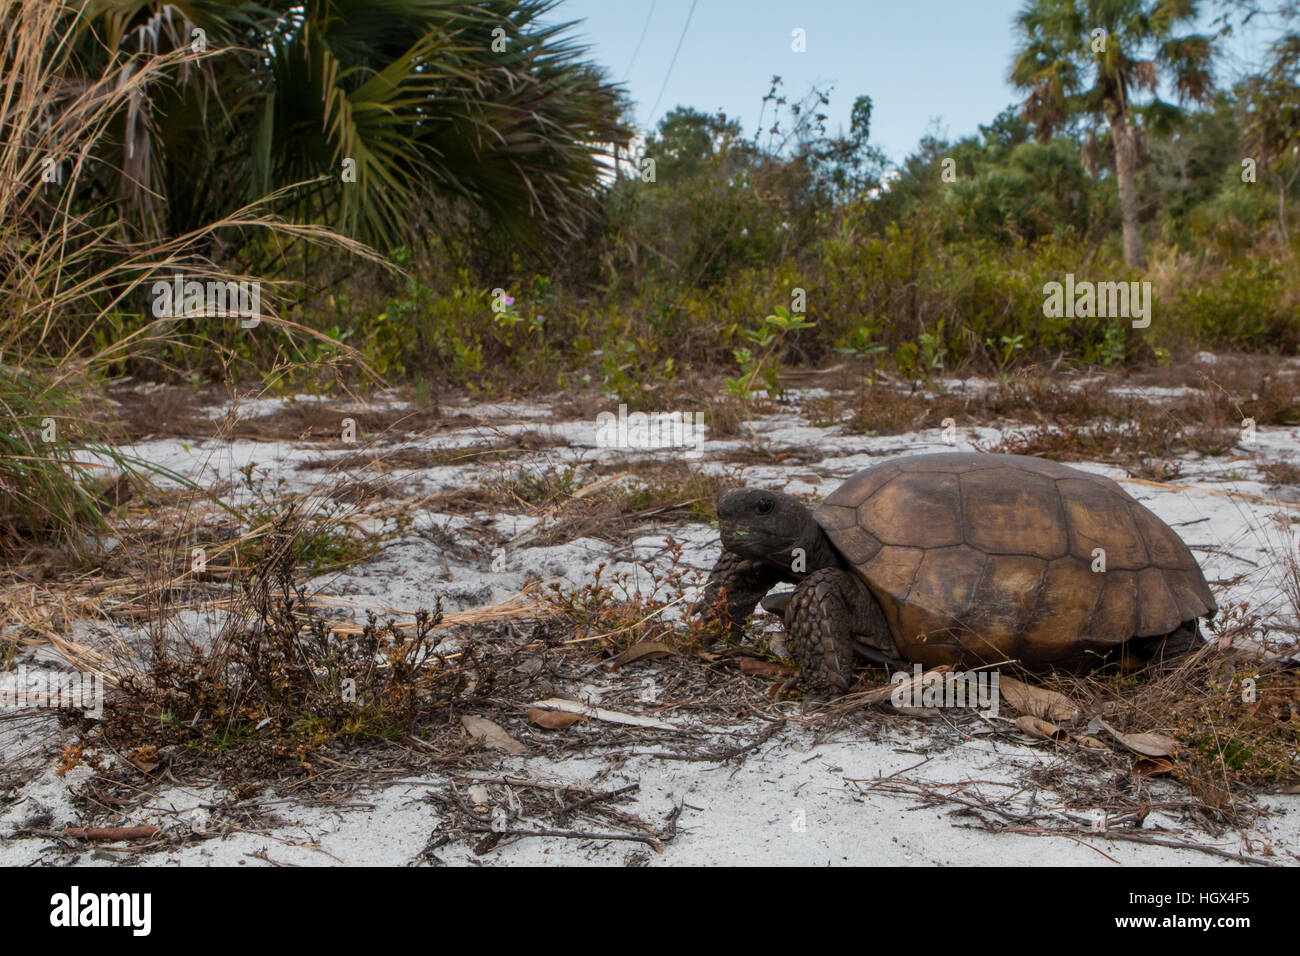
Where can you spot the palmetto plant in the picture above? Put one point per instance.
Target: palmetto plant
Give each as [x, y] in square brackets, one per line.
[420, 100]
[180, 132]
[1095, 58]
[69, 262]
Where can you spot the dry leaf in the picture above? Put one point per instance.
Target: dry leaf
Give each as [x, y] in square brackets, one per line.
[1149, 745]
[752, 665]
[552, 719]
[491, 734]
[1152, 766]
[1043, 729]
[1036, 701]
[1092, 743]
[599, 713]
[637, 651]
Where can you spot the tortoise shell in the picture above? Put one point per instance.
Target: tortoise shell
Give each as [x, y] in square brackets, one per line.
[983, 558]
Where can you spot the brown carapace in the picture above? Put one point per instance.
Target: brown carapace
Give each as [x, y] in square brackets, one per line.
[960, 559]
[982, 558]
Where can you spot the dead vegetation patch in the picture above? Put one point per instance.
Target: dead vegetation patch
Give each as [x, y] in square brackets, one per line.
[755, 453]
[1048, 418]
[1280, 473]
[387, 458]
[1232, 715]
[1206, 421]
[616, 501]
[324, 421]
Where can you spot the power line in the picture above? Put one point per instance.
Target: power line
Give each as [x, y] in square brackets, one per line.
[673, 63]
[644, 29]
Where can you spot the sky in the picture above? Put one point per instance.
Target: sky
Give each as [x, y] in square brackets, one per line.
[926, 64]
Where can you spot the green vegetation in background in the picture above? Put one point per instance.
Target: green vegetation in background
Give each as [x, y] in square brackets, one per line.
[627, 281]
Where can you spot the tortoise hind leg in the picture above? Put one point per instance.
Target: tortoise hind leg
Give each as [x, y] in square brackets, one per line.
[828, 608]
[1165, 647]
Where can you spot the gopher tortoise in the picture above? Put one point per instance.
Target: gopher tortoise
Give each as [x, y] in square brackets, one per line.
[960, 559]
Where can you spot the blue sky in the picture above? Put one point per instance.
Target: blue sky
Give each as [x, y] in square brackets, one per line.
[919, 60]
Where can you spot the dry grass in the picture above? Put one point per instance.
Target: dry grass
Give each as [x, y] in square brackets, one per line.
[1235, 713]
[70, 265]
[1280, 473]
[1074, 419]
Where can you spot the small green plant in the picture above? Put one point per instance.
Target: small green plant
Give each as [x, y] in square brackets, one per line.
[324, 542]
[1004, 351]
[764, 360]
[863, 346]
[933, 351]
[1111, 350]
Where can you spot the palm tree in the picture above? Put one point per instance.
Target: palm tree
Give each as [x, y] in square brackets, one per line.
[1272, 121]
[422, 100]
[1092, 57]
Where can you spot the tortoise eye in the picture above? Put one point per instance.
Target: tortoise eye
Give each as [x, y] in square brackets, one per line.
[764, 506]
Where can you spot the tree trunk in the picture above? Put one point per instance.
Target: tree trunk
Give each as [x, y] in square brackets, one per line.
[1284, 187]
[1281, 211]
[1125, 172]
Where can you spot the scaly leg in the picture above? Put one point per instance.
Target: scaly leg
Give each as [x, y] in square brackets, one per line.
[828, 609]
[740, 583]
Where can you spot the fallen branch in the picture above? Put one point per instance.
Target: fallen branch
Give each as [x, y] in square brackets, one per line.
[722, 756]
[571, 835]
[1025, 823]
[113, 834]
[1132, 837]
[593, 798]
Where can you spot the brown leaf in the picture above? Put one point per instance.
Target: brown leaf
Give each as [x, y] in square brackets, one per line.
[1092, 743]
[1149, 745]
[113, 834]
[491, 734]
[638, 651]
[1152, 766]
[552, 719]
[1043, 729]
[1036, 701]
[752, 665]
[600, 713]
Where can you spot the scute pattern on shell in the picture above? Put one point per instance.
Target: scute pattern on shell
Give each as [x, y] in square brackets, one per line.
[989, 557]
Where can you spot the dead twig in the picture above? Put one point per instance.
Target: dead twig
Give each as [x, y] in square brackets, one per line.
[652, 842]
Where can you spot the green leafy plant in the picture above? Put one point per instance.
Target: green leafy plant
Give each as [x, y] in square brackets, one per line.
[764, 360]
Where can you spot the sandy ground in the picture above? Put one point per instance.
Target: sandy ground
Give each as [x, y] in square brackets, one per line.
[792, 800]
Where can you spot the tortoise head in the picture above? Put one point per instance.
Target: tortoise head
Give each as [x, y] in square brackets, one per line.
[766, 525]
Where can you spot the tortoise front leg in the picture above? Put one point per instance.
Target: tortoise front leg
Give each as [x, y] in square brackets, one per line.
[828, 609]
[735, 585]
